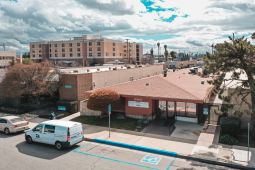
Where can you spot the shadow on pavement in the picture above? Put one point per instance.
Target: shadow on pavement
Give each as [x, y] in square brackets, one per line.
[2, 135]
[42, 150]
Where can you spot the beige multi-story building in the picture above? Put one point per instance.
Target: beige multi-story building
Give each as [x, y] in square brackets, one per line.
[7, 58]
[87, 50]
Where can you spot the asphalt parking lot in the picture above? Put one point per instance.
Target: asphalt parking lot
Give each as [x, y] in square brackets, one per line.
[17, 154]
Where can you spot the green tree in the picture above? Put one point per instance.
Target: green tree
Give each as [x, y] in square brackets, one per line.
[253, 36]
[100, 99]
[173, 55]
[236, 56]
[30, 81]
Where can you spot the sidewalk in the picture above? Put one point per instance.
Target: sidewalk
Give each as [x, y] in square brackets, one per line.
[204, 148]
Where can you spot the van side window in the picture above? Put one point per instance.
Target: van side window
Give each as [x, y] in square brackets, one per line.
[49, 129]
[38, 128]
[3, 121]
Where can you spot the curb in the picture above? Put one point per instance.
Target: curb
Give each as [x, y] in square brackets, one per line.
[166, 153]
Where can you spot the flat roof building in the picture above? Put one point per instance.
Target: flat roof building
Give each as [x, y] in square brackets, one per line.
[179, 95]
[6, 58]
[87, 50]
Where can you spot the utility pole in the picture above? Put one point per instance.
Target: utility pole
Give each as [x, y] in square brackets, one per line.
[128, 51]
[248, 156]
[4, 46]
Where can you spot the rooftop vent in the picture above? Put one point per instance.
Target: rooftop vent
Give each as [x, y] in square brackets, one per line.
[87, 70]
[147, 84]
[202, 82]
[131, 78]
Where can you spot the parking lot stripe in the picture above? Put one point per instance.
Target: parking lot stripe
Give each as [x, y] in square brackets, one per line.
[113, 160]
[171, 164]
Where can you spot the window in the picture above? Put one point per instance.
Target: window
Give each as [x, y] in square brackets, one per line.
[106, 54]
[90, 49]
[63, 55]
[63, 45]
[56, 51]
[50, 45]
[38, 128]
[70, 44]
[113, 49]
[78, 44]
[56, 55]
[113, 54]
[49, 129]
[90, 54]
[50, 50]
[33, 46]
[113, 44]
[90, 43]
[3, 121]
[70, 49]
[78, 54]
[40, 55]
[63, 50]
[98, 54]
[98, 43]
[125, 51]
[56, 45]
[71, 55]
[50, 55]
[98, 49]
[40, 45]
[40, 51]
[33, 56]
[78, 49]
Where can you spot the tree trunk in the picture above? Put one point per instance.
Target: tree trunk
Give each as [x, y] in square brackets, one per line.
[252, 88]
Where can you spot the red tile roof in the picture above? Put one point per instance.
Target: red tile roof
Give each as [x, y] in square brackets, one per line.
[177, 86]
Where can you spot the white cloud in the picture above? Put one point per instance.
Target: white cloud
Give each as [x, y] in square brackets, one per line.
[208, 21]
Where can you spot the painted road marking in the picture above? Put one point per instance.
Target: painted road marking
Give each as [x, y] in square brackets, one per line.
[151, 159]
[170, 165]
[111, 159]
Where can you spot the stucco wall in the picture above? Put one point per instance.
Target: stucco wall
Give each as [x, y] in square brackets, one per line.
[102, 79]
[138, 112]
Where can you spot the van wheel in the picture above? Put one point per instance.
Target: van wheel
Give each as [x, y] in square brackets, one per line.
[58, 145]
[29, 139]
[6, 131]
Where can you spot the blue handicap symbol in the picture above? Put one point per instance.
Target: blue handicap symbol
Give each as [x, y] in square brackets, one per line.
[151, 159]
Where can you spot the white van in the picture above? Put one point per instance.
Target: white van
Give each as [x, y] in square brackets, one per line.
[56, 132]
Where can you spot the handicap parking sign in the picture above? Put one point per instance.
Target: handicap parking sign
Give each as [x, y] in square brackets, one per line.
[151, 159]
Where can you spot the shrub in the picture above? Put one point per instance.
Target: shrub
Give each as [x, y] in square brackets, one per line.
[100, 99]
[230, 125]
[228, 139]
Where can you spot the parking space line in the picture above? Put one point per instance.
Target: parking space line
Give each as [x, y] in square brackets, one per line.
[170, 165]
[113, 160]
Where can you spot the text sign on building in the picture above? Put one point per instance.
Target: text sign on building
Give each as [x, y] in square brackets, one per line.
[61, 108]
[205, 111]
[138, 104]
[67, 86]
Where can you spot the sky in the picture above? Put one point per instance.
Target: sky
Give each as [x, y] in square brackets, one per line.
[182, 25]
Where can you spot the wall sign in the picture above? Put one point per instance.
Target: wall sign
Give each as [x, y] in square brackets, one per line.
[67, 86]
[138, 104]
[61, 108]
[205, 111]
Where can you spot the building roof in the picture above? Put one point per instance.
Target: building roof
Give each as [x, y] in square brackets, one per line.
[177, 86]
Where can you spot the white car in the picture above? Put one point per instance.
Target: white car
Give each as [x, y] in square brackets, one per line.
[12, 124]
[56, 132]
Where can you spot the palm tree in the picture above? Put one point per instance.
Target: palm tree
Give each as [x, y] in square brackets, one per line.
[173, 55]
[151, 58]
[166, 52]
[158, 44]
[253, 36]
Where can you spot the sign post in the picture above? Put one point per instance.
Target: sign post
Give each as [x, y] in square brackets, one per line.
[109, 114]
[248, 143]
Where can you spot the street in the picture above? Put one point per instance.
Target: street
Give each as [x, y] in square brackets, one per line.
[17, 154]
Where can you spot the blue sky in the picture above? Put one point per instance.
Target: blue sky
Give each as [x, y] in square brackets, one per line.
[182, 25]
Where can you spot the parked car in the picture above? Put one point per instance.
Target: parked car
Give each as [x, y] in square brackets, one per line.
[12, 124]
[60, 133]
